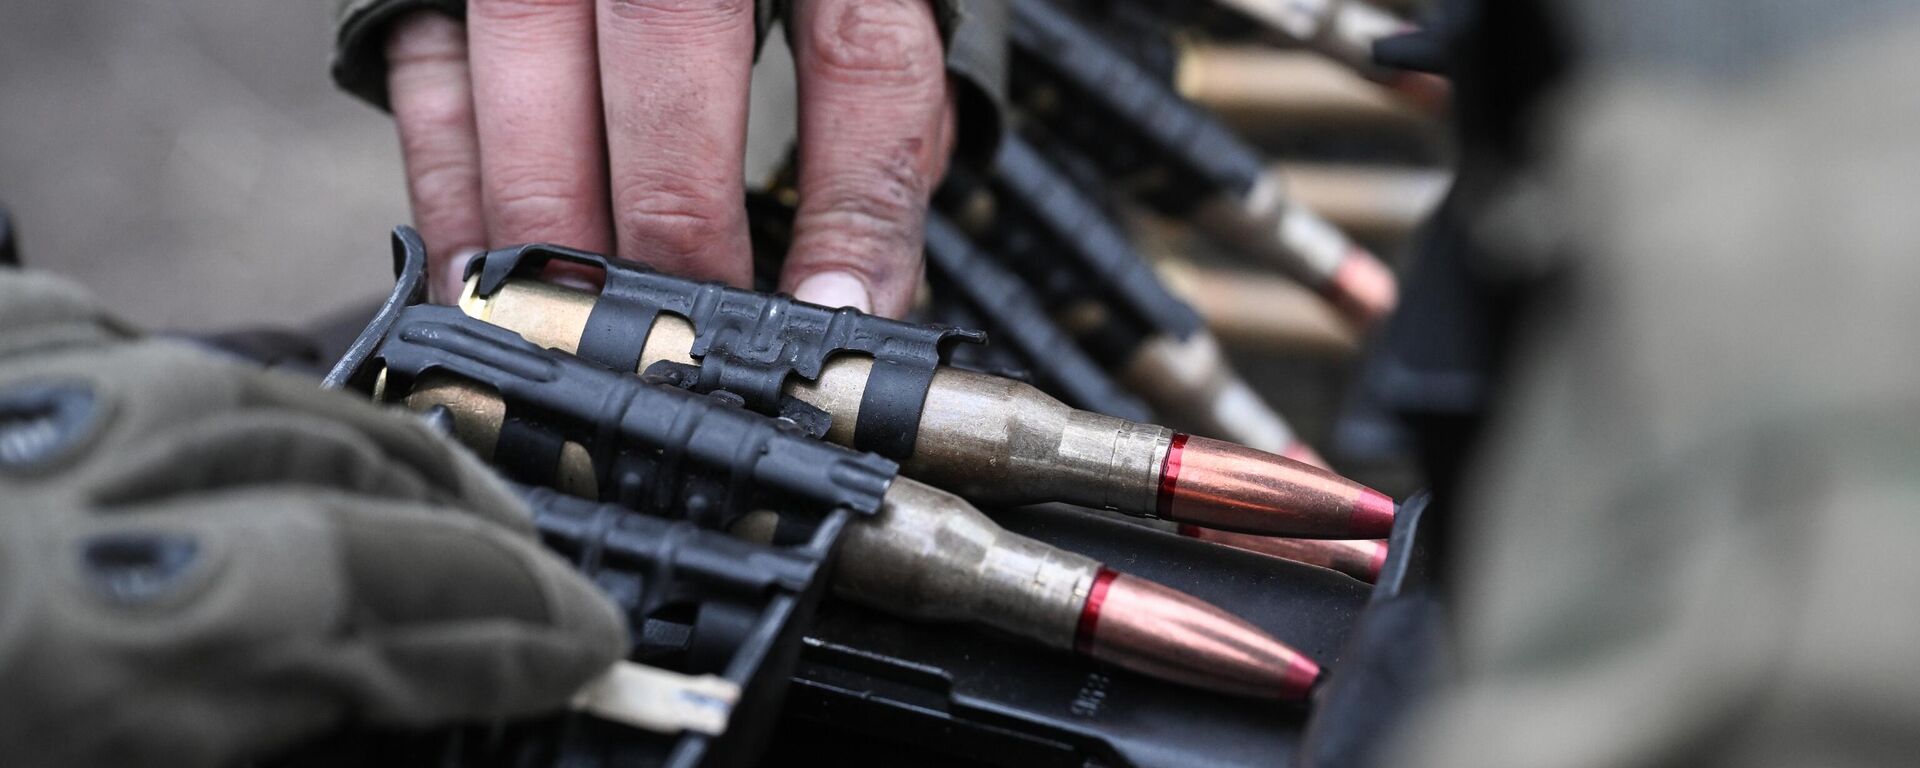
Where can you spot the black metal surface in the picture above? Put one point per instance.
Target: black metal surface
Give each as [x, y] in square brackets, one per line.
[741, 605]
[995, 359]
[697, 601]
[409, 288]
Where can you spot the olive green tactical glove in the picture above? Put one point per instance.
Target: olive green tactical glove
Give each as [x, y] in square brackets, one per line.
[202, 561]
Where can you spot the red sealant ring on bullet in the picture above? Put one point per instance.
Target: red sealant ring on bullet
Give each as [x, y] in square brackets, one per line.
[1090, 612]
[1170, 473]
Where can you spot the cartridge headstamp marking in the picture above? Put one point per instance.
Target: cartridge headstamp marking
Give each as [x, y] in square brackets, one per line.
[1091, 696]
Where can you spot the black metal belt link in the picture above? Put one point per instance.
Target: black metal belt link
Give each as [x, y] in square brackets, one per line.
[749, 343]
[751, 603]
[650, 563]
[654, 448]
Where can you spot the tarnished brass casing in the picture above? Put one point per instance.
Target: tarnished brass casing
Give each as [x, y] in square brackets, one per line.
[930, 555]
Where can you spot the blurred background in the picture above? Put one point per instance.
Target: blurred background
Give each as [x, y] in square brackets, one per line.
[191, 162]
[194, 165]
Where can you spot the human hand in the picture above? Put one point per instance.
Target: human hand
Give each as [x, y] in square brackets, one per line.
[205, 562]
[619, 126]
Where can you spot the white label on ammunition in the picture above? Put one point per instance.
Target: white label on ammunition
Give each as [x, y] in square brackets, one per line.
[659, 700]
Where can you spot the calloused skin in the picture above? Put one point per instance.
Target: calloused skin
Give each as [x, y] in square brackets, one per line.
[619, 126]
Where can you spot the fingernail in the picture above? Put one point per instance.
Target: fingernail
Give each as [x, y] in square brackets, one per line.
[444, 288]
[835, 289]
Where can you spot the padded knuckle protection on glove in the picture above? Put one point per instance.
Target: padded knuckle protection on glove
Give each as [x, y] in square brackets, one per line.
[136, 568]
[975, 33]
[43, 423]
[200, 559]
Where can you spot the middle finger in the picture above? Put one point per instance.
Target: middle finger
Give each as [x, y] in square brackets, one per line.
[676, 75]
[537, 106]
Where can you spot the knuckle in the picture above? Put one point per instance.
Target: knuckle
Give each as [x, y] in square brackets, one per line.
[524, 9]
[873, 235]
[429, 38]
[887, 40]
[676, 218]
[683, 13]
[534, 206]
[426, 115]
[440, 183]
[893, 186]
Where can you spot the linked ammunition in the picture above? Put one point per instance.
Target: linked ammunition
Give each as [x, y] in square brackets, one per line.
[988, 438]
[1207, 386]
[1345, 31]
[919, 552]
[1260, 83]
[1268, 313]
[931, 556]
[1164, 350]
[1381, 202]
[1121, 115]
[961, 269]
[1264, 222]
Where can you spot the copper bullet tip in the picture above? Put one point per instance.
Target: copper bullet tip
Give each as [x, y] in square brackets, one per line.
[1359, 558]
[1134, 623]
[1363, 288]
[1221, 485]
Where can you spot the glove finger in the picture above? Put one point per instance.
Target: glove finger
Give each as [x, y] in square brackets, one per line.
[215, 628]
[402, 438]
[40, 310]
[256, 448]
[470, 620]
